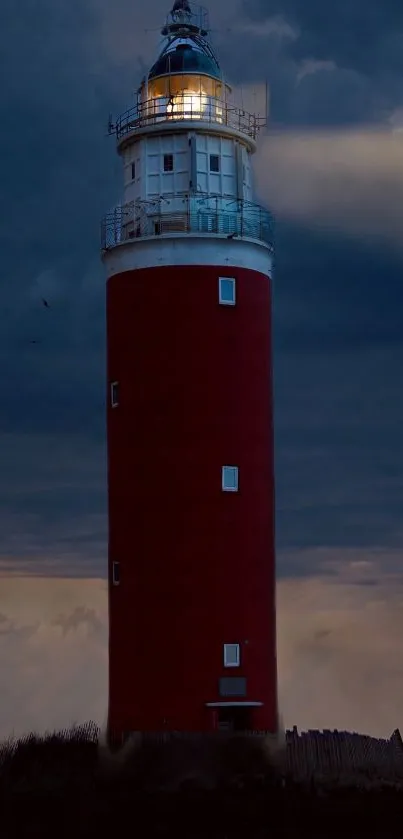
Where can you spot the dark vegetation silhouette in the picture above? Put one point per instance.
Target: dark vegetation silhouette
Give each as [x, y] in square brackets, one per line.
[70, 784]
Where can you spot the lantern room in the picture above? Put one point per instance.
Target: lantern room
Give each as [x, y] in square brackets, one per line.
[186, 84]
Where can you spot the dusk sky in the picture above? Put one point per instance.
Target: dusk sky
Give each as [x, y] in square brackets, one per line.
[331, 169]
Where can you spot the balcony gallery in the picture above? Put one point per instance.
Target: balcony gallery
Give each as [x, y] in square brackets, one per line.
[182, 97]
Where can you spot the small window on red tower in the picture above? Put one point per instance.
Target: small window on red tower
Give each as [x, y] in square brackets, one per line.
[114, 394]
[168, 162]
[230, 478]
[214, 163]
[226, 291]
[115, 573]
[232, 656]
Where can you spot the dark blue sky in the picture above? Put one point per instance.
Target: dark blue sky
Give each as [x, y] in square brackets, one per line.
[338, 286]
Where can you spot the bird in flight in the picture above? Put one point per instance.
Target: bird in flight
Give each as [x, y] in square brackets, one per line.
[45, 303]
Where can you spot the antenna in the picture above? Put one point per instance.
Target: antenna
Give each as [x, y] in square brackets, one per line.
[111, 125]
[267, 104]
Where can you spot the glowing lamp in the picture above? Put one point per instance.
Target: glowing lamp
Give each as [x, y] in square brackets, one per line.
[186, 105]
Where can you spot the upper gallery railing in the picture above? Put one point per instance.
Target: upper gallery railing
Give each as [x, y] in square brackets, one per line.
[209, 215]
[183, 107]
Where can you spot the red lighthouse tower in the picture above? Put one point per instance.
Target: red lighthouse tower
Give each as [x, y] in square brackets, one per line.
[192, 628]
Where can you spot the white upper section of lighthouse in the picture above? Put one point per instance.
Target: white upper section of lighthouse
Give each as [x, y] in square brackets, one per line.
[186, 148]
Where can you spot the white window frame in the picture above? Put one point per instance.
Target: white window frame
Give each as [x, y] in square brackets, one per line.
[221, 300]
[116, 577]
[223, 474]
[114, 400]
[230, 652]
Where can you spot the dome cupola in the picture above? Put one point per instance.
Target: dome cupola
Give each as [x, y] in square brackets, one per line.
[186, 80]
[185, 56]
[187, 49]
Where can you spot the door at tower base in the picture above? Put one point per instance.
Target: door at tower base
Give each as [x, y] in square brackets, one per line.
[191, 501]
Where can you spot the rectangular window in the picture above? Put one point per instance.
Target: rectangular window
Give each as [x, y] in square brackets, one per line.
[115, 573]
[133, 171]
[168, 162]
[226, 291]
[214, 163]
[232, 655]
[232, 686]
[230, 478]
[114, 394]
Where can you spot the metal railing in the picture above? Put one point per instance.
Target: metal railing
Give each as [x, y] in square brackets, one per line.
[191, 214]
[196, 108]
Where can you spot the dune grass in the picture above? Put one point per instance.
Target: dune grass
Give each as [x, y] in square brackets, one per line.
[68, 784]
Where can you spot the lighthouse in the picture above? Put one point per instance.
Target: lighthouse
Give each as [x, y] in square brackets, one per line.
[188, 257]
